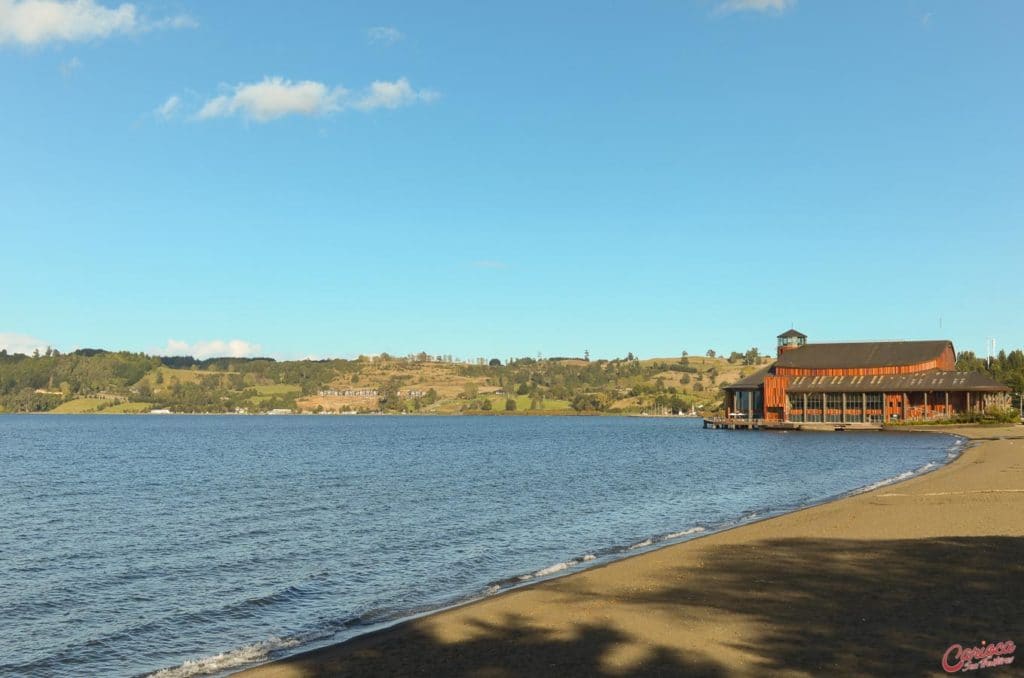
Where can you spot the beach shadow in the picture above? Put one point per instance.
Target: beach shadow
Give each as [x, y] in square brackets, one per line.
[847, 607]
[512, 647]
[818, 607]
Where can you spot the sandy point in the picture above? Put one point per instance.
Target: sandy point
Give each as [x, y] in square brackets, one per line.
[876, 584]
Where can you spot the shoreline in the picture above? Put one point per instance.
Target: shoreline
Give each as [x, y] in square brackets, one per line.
[256, 654]
[560, 612]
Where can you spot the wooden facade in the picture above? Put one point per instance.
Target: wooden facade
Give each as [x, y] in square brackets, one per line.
[775, 398]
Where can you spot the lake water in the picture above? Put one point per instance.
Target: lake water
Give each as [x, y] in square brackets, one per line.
[201, 544]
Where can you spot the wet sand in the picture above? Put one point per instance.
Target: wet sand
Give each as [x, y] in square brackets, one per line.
[879, 583]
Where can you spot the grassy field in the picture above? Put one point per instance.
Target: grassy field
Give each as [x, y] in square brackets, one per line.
[102, 405]
[523, 404]
[80, 406]
[268, 391]
[129, 408]
[277, 389]
[169, 374]
[454, 405]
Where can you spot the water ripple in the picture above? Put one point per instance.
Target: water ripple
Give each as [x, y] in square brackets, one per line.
[196, 545]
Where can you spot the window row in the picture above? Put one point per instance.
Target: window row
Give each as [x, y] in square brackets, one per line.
[835, 407]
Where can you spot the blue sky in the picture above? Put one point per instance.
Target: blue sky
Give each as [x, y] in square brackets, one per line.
[476, 179]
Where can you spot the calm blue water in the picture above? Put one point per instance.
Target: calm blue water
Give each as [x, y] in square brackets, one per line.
[197, 544]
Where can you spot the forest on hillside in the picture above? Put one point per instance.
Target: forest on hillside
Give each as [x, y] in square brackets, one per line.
[99, 380]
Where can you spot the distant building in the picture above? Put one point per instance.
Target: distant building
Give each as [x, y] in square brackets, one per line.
[860, 382]
[359, 392]
[367, 393]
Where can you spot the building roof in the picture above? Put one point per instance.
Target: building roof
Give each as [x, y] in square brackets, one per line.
[863, 354]
[791, 333]
[930, 380]
[752, 380]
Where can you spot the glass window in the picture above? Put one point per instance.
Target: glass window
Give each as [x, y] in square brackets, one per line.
[874, 407]
[814, 407]
[796, 406]
[854, 407]
[834, 407]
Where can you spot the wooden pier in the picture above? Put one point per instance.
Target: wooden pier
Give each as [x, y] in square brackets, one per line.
[740, 423]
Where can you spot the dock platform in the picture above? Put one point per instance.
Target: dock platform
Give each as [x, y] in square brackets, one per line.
[738, 423]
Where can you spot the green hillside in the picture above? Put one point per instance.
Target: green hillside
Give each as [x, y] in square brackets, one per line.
[97, 381]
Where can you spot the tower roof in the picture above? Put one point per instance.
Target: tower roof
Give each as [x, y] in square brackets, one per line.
[788, 334]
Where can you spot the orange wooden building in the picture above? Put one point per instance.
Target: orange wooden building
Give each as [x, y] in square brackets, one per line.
[862, 382]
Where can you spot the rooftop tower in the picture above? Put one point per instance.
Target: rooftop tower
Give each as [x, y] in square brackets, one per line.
[789, 340]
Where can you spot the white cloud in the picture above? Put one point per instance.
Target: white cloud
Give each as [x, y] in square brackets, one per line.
[730, 6]
[21, 343]
[35, 22]
[384, 35]
[213, 348]
[67, 68]
[275, 97]
[167, 109]
[383, 94]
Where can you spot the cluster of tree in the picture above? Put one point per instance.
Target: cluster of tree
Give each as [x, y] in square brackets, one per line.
[42, 382]
[751, 357]
[1006, 368]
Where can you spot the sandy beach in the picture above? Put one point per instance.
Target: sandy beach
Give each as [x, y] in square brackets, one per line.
[879, 583]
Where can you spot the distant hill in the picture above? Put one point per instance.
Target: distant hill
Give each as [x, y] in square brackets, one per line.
[96, 380]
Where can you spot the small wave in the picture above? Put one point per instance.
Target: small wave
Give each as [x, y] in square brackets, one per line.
[388, 614]
[684, 533]
[956, 449]
[247, 607]
[247, 654]
[557, 567]
[496, 586]
[612, 551]
[550, 569]
[281, 595]
[887, 481]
